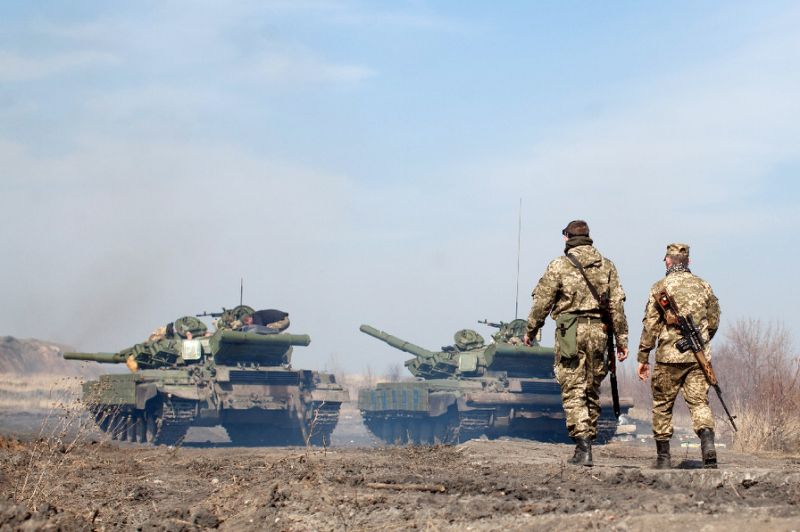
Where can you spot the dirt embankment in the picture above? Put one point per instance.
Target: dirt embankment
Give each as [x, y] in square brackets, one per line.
[480, 485]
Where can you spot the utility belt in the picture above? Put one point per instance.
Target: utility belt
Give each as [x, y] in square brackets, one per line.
[582, 318]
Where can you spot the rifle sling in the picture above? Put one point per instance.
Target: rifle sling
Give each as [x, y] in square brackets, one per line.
[592, 289]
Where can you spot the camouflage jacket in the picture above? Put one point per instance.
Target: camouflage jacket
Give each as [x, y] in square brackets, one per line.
[562, 289]
[693, 296]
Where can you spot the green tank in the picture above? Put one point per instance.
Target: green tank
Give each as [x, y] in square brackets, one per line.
[241, 380]
[472, 389]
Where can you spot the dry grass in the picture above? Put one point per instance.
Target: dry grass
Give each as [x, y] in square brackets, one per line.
[65, 424]
[759, 374]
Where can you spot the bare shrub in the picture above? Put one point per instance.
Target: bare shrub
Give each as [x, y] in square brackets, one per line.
[64, 426]
[368, 380]
[759, 374]
[394, 373]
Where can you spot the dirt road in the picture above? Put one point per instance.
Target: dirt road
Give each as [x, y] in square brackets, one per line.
[480, 485]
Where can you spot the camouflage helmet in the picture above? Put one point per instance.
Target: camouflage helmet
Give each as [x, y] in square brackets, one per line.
[677, 249]
[467, 339]
[190, 324]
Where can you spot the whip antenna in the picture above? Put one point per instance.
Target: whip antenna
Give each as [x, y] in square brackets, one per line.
[519, 247]
[241, 290]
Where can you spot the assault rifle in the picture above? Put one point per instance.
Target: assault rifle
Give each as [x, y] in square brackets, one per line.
[491, 324]
[692, 340]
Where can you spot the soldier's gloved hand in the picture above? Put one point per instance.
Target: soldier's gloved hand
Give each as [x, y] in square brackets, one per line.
[644, 371]
[622, 354]
[530, 337]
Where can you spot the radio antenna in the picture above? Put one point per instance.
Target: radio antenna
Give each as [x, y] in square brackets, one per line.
[519, 247]
[241, 290]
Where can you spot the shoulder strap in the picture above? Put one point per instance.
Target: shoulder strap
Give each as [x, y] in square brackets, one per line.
[592, 289]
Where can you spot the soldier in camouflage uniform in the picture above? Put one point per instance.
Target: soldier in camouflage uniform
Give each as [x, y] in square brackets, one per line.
[581, 337]
[675, 371]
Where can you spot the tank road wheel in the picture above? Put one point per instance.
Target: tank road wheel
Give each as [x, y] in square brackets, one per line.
[150, 426]
[122, 430]
[387, 431]
[133, 422]
[141, 428]
[400, 432]
[120, 427]
[374, 425]
[116, 425]
[103, 419]
[440, 431]
[425, 431]
[414, 430]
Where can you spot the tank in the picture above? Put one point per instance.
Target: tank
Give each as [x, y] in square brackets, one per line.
[242, 380]
[472, 389]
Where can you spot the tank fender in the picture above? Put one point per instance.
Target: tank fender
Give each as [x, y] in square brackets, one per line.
[144, 393]
[182, 392]
[330, 396]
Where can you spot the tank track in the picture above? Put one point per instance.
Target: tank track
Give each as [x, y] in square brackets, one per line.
[176, 417]
[447, 429]
[324, 417]
[473, 423]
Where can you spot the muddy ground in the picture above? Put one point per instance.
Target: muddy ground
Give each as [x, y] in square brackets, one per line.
[480, 485]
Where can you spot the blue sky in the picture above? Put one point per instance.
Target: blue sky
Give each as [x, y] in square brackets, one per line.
[363, 162]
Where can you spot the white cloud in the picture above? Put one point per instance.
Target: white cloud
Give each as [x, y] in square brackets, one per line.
[300, 67]
[17, 67]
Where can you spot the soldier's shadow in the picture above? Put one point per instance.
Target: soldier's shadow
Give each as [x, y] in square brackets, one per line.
[690, 464]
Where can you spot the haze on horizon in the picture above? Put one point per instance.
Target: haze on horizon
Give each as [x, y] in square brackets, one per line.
[363, 163]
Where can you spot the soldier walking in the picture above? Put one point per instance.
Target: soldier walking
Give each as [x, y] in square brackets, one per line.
[678, 371]
[565, 293]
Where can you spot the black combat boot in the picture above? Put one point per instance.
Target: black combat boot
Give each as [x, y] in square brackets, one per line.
[583, 452]
[662, 455]
[707, 448]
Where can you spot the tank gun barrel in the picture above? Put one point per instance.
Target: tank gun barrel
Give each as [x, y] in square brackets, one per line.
[238, 337]
[104, 358]
[396, 342]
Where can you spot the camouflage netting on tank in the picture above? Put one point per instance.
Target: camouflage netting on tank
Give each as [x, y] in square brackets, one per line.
[190, 324]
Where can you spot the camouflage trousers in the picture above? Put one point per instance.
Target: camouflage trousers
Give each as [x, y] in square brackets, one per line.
[580, 379]
[668, 380]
